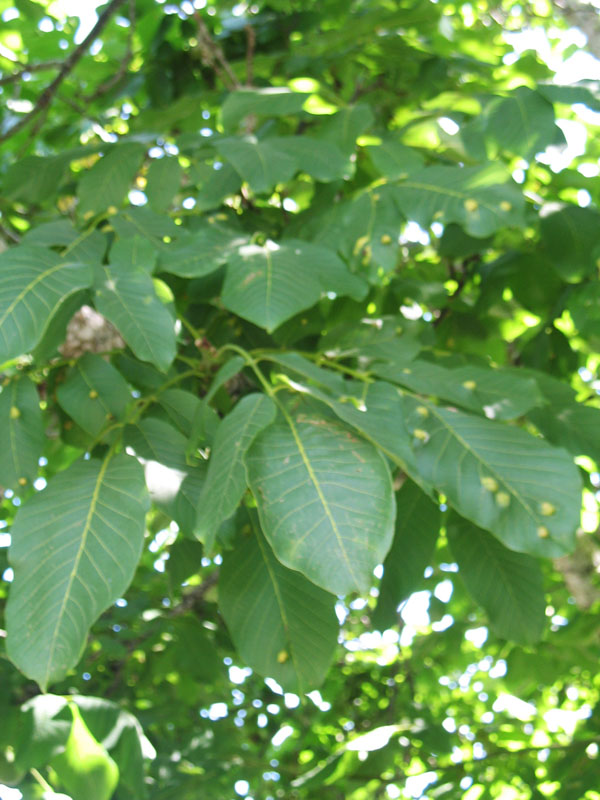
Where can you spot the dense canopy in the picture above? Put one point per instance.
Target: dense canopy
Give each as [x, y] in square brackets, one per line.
[299, 333]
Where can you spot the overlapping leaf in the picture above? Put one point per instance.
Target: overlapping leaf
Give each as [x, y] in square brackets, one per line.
[75, 548]
[22, 433]
[522, 123]
[499, 394]
[201, 252]
[267, 285]
[34, 282]
[226, 479]
[109, 180]
[324, 498]
[129, 301]
[282, 624]
[94, 393]
[269, 101]
[163, 181]
[259, 163]
[508, 585]
[515, 485]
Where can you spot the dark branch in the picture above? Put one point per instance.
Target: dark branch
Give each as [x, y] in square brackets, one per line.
[68, 65]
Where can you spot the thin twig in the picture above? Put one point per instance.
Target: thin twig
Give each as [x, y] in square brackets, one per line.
[16, 76]
[213, 56]
[250, 47]
[69, 64]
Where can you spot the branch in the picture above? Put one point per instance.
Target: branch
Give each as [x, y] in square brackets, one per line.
[250, 47]
[213, 56]
[69, 64]
[16, 76]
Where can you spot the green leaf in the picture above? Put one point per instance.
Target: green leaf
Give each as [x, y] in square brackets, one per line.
[34, 282]
[270, 101]
[78, 522]
[267, 285]
[521, 124]
[156, 440]
[129, 301]
[226, 479]
[261, 164]
[417, 527]
[225, 373]
[44, 726]
[569, 239]
[291, 633]
[344, 127]
[34, 179]
[480, 199]
[94, 393]
[393, 159]
[85, 768]
[201, 252]
[162, 182]
[120, 733]
[574, 426]
[216, 185]
[497, 393]
[185, 557]
[108, 181]
[22, 433]
[143, 221]
[323, 160]
[324, 498]
[134, 253]
[515, 485]
[508, 585]
[180, 408]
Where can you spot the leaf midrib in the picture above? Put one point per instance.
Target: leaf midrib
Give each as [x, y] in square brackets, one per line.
[73, 573]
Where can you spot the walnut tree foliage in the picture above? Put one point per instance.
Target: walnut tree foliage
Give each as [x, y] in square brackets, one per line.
[298, 322]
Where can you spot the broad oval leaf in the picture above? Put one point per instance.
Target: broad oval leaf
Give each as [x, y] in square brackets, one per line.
[324, 497]
[21, 431]
[515, 485]
[75, 547]
[129, 301]
[34, 282]
[283, 625]
[226, 478]
[508, 585]
[267, 285]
